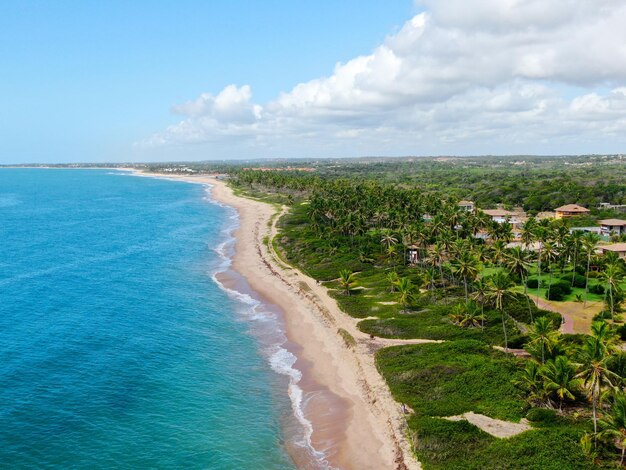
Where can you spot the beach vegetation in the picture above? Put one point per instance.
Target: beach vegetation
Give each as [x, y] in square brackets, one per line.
[428, 269]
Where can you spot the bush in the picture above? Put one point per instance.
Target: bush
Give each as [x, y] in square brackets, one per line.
[541, 415]
[596, 289]
[579, 281]
[558, 291]
[603, 315]
[532, 283]
[580, 269]
[622, 332]
[554, 317]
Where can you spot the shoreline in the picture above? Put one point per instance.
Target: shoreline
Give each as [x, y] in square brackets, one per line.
[355, 422]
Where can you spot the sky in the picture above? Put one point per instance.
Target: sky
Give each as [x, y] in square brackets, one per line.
[234, 79]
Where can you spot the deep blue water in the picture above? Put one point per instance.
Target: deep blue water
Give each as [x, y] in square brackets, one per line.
[117, 348]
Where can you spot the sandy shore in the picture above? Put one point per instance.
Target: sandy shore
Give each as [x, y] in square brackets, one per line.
[355, 420]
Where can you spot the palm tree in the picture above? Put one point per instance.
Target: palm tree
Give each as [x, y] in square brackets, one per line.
[430, 276]
[498, 250]
[499, 285]
[393, 279]
[590, 240]
[576, 241]
[611, 276]
[543, 335]
[528, 232]
[560, 379]
[388, 240]
[481, 289]
[346, 280]
[614, 424]
[406, 289]
[595, 373]
[541, 231]
[473, 317]
[607, 338]
[467, 315]
[466, 266]
[518, 262]
[531, 381]
[549, 253]
[437, 257]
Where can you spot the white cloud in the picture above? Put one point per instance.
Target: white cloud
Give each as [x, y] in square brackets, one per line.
[465, 76]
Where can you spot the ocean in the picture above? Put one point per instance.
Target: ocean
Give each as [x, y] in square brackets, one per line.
[118, 347]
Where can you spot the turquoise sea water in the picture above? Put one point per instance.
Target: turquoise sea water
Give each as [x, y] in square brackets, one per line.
[117, 347]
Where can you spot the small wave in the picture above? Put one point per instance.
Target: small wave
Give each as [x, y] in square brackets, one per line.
[128, 251]
[280, 359]
[9, 200]
[282, 362]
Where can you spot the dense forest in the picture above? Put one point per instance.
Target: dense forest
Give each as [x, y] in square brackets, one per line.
[534, 183]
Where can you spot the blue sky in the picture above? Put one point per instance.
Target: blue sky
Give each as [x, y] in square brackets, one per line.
[83, 80]
[220, 79]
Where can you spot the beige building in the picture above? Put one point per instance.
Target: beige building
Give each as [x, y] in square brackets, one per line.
[612, 226]
[619, 248]
[467, 206]
[570, 210]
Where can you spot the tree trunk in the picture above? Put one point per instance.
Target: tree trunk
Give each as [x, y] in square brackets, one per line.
[539, 272]
[530, 311]
[587, 280]
[593, 404]
[506, 341]
[574, 266]
[549, 283]
[466, 294]
[482, 315]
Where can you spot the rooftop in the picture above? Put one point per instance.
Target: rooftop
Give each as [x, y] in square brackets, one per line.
[613, 222]
[498, 213]
[615, 247]
[571, 208]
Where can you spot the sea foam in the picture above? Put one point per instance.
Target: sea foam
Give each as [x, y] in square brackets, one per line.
[281, 360]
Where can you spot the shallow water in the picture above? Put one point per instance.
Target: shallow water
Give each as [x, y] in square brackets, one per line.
[117, 346]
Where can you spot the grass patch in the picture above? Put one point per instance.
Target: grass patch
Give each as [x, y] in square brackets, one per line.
[347, 338]
[447, 379]
[451, 378]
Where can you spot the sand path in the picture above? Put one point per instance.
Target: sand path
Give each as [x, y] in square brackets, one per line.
[495, 427]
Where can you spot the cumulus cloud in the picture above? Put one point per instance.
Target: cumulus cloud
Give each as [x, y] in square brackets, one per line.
[463, 75]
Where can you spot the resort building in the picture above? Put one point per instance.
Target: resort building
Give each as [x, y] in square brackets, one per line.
[501, 216]
[596, 230]
[467, 206]
[612, 227]
[612, 207]
[570, 210]
[619, 248]
[413, 254]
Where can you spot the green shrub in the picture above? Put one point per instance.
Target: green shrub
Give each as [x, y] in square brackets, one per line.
[579, 281]
[596, 289]
[603, 315]
[622, 332]
[532, 283]
[541, 415]
[558, 291]
[554, 317]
